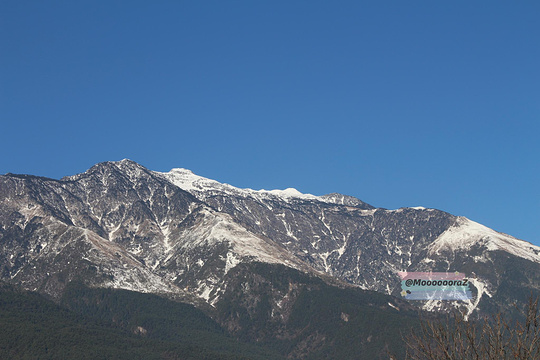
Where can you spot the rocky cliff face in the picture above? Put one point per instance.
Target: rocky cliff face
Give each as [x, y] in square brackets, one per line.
[121, 225]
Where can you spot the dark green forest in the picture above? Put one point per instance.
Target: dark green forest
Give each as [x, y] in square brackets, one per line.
[32, 327]
[322, 322]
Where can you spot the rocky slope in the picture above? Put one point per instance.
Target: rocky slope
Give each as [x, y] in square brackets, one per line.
[366, 246]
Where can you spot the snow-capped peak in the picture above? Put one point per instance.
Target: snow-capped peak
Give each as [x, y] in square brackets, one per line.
[199, 186]
[287, 193]
[188, 181]
[466, 233]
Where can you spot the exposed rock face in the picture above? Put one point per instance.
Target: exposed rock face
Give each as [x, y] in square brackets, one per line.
[120, 225]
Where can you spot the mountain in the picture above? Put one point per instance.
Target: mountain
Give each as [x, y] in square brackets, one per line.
[366, 246]
[249, 258]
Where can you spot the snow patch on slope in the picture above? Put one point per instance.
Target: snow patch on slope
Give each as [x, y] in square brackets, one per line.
[219, 228]
[466, 233]
[473, 303]
[125, 271]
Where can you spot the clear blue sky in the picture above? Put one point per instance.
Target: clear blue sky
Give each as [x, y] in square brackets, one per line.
[400, 103]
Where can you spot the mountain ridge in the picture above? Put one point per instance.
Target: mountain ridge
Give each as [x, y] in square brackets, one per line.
[180, 234]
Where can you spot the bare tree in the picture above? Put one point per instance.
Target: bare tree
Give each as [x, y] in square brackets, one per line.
[490, 338]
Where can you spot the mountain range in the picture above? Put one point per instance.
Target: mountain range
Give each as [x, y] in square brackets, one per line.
[275, 267]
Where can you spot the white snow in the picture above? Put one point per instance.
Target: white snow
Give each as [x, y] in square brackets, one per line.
[467, 233]
[341, 250]
[204, 291]
[289, 193]
[406, 208]
[231, 262]
[473, 303]
[188, 181]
